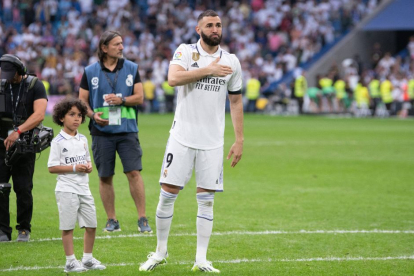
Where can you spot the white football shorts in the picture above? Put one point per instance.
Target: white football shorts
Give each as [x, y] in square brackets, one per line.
[179, 161]
[73, 207]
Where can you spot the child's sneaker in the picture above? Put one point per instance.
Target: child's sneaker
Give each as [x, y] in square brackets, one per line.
[93, 264]
[74, 266]
[112, 226]
[205, 267]
[152, 262]
[143, 225]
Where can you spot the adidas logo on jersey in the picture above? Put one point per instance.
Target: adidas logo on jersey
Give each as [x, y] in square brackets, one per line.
[195, 65]
[64, 150]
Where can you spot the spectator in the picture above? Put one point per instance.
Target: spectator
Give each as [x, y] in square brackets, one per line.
[149, 92]
[385, 64]
[294, 31]
[252, 92]
[375, 95]
[169, 93]
[376, 55]
[315, 97]
[328, 91]
[386, 88]
[301, 86]
[410, 47]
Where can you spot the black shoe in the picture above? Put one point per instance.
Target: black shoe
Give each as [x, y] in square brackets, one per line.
[3, 237]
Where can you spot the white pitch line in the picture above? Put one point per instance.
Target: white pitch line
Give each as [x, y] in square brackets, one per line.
[248, 233]
[374, 231]
[236, 261]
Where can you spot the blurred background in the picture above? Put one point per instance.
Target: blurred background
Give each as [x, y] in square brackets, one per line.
[342, 57]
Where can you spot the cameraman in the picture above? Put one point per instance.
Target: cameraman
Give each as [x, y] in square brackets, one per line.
[25, 107]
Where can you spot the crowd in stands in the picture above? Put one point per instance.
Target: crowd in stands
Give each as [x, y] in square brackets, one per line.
[57, 39]
[385, 87]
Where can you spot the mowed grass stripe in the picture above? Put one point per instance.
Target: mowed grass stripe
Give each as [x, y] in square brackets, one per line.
[242, 233]
[237, 261]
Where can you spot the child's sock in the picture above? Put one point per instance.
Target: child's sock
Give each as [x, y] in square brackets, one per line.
[70, 258]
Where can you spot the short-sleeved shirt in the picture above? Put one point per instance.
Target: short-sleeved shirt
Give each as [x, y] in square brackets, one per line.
[25, 106]
[68, 150]
[200, 113]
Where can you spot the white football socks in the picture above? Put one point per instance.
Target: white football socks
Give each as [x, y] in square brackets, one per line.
[164, 215]
[70, 258]
[204, 224]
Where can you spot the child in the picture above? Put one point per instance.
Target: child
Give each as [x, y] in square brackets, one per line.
[70, 159]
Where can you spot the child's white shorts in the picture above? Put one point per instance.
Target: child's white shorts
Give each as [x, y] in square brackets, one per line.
[73, 207]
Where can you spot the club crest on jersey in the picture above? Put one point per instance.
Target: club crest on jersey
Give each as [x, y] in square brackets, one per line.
[196, 56]
[165, 172]
[129, 81]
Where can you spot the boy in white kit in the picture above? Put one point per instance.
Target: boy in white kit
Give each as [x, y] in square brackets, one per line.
[70, 159]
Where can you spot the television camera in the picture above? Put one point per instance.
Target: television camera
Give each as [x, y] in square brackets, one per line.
[40, 139]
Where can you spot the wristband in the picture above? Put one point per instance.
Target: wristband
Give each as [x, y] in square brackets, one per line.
[16, 129]
[74, 167]
[93, 116]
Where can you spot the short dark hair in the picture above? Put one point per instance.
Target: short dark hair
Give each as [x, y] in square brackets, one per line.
[206, 14]
[62, 108]
[106, 37]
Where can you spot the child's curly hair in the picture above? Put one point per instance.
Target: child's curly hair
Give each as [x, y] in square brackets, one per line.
[63, 107]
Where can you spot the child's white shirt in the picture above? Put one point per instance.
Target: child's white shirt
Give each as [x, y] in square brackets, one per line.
[67, 150]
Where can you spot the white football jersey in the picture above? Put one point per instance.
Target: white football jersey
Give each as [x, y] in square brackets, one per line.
[199, 116]
[67, 150]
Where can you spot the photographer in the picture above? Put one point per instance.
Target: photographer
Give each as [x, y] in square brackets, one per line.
[23, 104]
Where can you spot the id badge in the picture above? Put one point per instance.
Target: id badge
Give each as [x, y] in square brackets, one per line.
[115, 115]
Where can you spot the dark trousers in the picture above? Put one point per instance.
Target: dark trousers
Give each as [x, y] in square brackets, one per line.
[169, 102]
[22, 176]
[374, 105]
[300, 104]
[251, 106]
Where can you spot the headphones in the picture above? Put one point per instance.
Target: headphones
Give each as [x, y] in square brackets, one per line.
[21, 69]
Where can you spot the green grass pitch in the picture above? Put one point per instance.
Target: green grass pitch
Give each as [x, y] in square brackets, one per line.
[311, 196]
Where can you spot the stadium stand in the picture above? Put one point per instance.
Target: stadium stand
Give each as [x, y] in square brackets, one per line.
[375, 63]
[57, 39]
